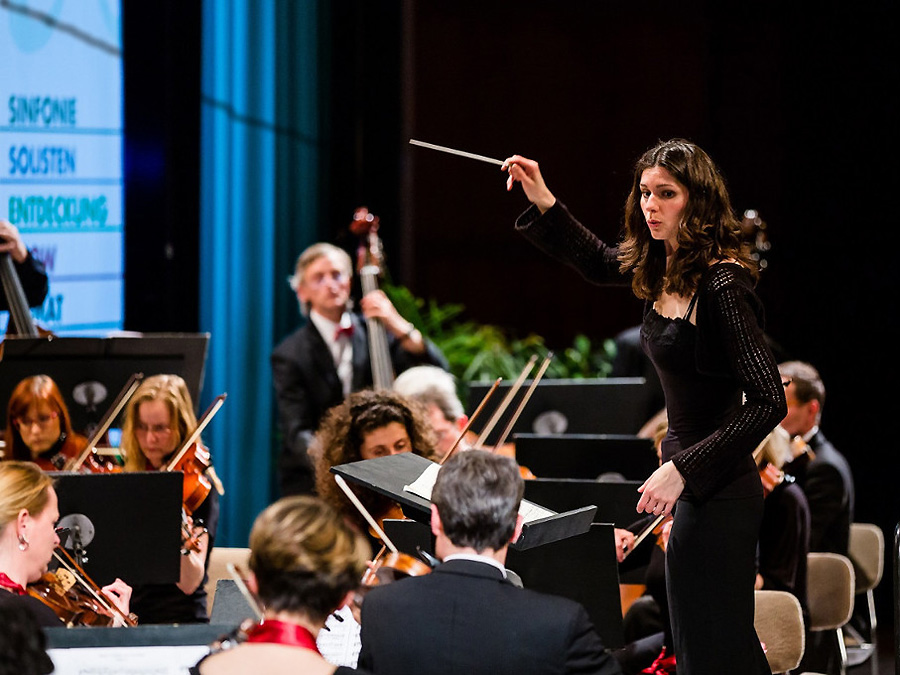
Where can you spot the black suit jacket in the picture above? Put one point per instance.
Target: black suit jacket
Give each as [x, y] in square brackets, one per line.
[465, 618]
[307, 385]
[34, 281]
[827, 483]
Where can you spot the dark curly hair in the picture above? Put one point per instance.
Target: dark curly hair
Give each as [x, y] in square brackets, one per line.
[340, 438]
[709, 232]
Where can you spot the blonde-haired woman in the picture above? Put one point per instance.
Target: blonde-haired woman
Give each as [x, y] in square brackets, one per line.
[28, 514]
[305, 562]
[159, 419]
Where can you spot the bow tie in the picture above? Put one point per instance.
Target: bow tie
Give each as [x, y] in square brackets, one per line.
[343, 330]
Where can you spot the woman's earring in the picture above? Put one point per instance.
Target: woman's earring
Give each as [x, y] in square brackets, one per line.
[23, 543]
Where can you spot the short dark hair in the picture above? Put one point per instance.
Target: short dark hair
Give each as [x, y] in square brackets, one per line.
[477, 495]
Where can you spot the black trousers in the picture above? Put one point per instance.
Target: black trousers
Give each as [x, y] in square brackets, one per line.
[711, 567]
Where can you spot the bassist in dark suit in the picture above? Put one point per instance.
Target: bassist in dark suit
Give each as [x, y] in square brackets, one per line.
[31, 273]
[317, 366]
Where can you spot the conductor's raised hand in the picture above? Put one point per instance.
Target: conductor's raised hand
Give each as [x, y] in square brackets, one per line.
[660, 492]
[528, 173]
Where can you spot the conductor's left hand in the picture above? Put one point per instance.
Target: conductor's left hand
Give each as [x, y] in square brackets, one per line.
[661, 490]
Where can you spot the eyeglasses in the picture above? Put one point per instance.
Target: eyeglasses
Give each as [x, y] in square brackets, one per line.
[40, 420]
[158, 429]
[336, 276]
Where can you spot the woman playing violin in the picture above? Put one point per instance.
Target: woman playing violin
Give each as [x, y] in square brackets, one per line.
[305, 563]
[28, 538]
[367, 425]
[38, 425]
[159, 417]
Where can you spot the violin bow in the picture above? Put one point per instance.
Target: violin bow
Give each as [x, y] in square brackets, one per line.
[365, 512]
[528, 393]
[124, 396]
[645, 533]
[251, 599]
[201, 425]
[91, 587]
[475, 414]
[504, 404]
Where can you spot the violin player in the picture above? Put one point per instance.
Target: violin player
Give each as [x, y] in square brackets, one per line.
[28, 537]
[466, 616]
[38, 425]
[367, 425]
[31, 273]
[435, 388]
[317, 366]
[305, 563]
[158, 419]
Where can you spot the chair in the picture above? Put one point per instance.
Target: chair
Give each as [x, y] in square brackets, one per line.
[779, 625]
[867, 555]
[219, 557]
[831, 586]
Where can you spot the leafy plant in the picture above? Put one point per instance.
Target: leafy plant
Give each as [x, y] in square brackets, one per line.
[482, 352]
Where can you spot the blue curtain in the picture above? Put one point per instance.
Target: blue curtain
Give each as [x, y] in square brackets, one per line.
[246, 243]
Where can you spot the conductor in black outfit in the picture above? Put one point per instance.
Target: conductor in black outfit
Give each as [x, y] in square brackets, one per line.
[466, 617]
[31, 272]
[683, 251]
[314, 368]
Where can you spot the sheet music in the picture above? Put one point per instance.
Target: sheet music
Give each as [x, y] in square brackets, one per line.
[424, 484]
[156, 660]
[340, 644]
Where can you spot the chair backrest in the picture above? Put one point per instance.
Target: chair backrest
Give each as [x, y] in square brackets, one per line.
[867, 554]
[831, 586]
[219, 557]
[779, 625]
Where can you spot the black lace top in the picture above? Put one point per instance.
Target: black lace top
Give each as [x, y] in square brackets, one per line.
[723, 390]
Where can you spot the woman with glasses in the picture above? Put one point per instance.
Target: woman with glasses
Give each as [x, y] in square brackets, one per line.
[158, 420]
[38, 426]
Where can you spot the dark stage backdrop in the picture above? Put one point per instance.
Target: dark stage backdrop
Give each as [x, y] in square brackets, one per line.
[793, 103]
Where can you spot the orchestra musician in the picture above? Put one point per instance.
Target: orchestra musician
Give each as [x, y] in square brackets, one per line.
[31, 273]
[466, 616]
[28, 537]
[367, 425]
[316, 367]
[683, 253]
[435, 388]
[158, 420]
[305, 563]
[39, 427]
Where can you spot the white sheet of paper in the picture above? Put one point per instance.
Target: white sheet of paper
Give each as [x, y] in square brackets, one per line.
[424, 484]
[340, 644]
[165, 660]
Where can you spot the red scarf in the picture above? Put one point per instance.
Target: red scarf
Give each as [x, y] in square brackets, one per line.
[282, 633]
[6, 582]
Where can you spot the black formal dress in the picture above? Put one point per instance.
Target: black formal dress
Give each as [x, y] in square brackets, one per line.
[464, 619]
[723, 396]
[307, 385]
[827, 482]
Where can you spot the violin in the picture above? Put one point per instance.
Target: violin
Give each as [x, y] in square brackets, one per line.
[194, 461]
[369, 264]
[74, 597]
[386, 569]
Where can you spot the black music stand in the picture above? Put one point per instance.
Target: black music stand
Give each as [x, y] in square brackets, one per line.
[587, 455]
[90, 372]
[582, 568]
[388, 476]
[616, 502]
[129, 524]
[588, 406]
